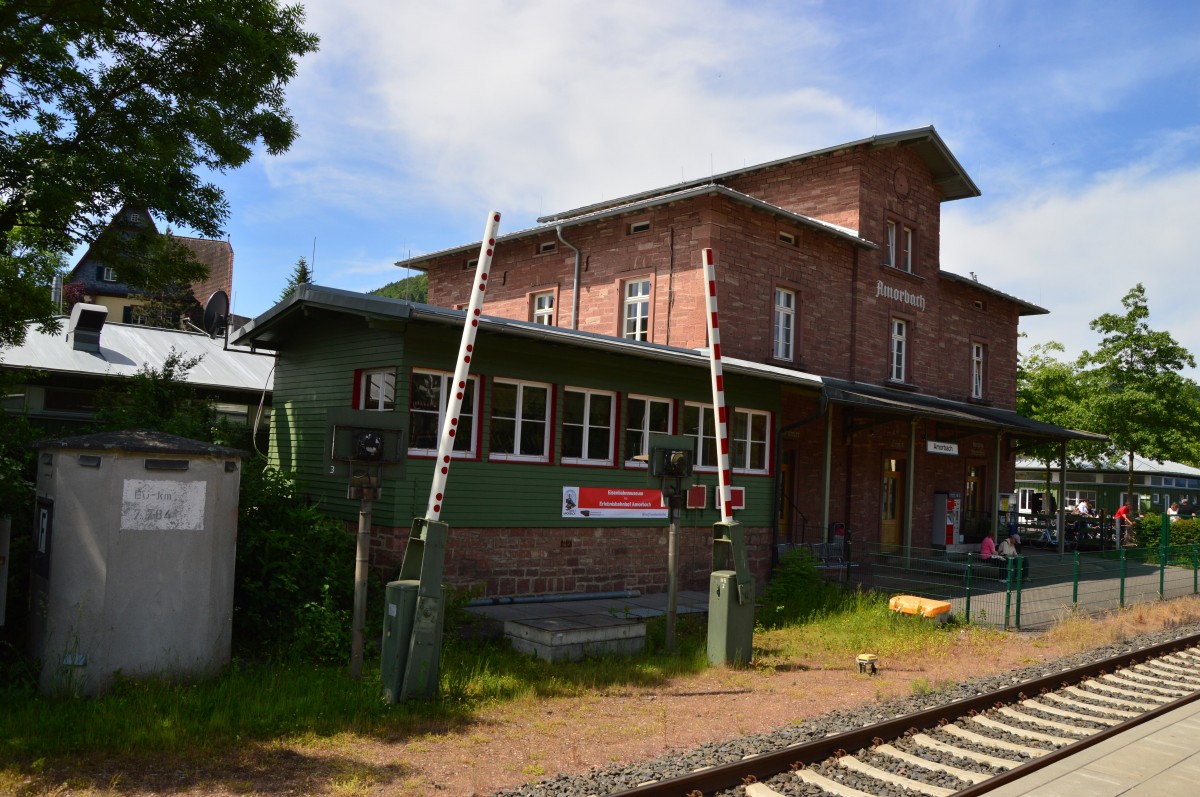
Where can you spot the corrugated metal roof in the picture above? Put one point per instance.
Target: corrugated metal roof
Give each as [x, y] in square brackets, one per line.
[1140, 465]
[126, 348]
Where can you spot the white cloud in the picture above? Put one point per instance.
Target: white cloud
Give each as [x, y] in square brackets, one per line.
[539, 106]
[1077, 253]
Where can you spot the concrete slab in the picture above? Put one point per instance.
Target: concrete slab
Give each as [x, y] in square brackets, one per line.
[572, 638]
[1156, 759]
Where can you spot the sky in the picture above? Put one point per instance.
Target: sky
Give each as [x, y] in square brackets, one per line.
[1079, 122]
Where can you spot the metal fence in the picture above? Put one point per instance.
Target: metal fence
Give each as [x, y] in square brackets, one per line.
[1032, 591]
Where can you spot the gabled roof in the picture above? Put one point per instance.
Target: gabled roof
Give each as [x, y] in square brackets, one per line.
[1023, 307]
[706, 189]
[948, 175]
[215, 254]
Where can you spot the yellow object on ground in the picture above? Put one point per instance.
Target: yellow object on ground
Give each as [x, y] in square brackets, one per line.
[923, 607]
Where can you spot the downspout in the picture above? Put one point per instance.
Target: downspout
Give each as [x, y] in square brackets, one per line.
[854, 317]
[1060, 515]
[822, 406]
[670, 280]
[909, 487]
[827, 487]
[574, 280]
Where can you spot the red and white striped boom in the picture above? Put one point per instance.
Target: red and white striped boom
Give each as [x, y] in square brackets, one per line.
[720, 414]
[458, 387]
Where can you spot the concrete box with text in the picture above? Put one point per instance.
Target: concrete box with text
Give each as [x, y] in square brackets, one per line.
[133, 559]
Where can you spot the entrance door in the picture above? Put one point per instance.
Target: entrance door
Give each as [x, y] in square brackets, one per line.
[975, 517]
[787, 499]
[892, 520]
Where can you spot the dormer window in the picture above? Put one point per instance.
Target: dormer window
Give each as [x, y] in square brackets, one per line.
[135, 218]
[108, 274]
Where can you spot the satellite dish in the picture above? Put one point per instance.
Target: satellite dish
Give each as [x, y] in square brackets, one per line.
[216, 313]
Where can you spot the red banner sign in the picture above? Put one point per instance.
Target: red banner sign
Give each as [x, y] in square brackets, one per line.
[607, 502]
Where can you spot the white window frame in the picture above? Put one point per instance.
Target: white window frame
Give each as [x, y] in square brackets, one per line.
[906, 248]
[783, 326]
[387, 383]
[472, 412]
[543, 311]
[644, 429]
[707, 429]
[898, 350]
[889, 243]
[741, 448]
[978, 362]
[705, 432]
[588, 430]
[109, 275]
[520, 421]
[546, 247]
[635, 309]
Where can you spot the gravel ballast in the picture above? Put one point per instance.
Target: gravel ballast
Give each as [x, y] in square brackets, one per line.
[621, 777]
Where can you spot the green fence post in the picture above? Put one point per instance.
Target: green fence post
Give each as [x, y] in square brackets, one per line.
[1195, 568]
[1016, 562]
[1007, 593]
[1162, 556]
[1075, 582]
[970, 567]
[1122, 603]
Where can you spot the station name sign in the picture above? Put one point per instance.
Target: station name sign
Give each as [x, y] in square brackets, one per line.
[938, 447]
[916, 300]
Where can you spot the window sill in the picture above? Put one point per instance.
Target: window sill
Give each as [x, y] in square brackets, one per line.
[892, 383]
[980, 401]
[518, 458]
[899, 272]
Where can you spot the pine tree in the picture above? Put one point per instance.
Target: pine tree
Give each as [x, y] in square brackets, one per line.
[300, 276]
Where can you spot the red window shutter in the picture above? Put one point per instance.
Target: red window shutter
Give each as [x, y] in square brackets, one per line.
[356, 395]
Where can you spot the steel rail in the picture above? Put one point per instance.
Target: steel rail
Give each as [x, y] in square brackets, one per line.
[767, 765]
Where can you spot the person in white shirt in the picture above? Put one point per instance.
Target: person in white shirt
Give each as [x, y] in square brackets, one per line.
[1084, 508]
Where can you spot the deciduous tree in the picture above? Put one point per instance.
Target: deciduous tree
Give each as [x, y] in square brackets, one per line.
[103, 103]
[1133, 388]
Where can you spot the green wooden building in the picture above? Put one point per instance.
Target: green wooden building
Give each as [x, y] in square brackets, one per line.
[552, 417]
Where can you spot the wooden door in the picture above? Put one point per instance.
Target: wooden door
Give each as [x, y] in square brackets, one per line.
[891, 527]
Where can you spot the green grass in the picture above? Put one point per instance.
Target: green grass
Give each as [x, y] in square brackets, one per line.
[261, 703]
[861, 623]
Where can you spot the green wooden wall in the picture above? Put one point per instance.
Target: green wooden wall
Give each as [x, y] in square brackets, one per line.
[315, 375]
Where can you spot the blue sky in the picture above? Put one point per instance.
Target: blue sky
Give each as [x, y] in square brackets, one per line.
[1079, 121]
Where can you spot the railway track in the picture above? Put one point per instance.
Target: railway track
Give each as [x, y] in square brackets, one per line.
[968, 747]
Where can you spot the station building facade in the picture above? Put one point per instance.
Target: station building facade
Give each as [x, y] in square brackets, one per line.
[866, 380]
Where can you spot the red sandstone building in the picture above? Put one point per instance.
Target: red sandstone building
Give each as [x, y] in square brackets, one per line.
[828, 264]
